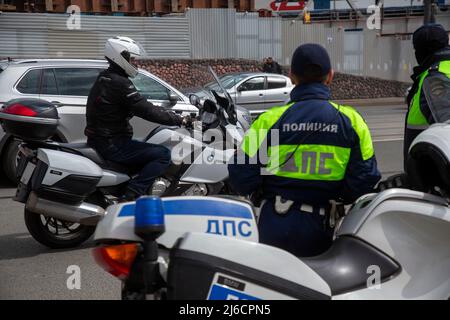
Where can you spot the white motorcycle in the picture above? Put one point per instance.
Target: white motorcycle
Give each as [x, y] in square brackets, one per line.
[67, 187]
[391, 245]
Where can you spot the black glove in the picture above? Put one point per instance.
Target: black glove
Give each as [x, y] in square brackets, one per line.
[209, 106]
[187, 122]
[223, 102]
[257, 197]
[393, 182]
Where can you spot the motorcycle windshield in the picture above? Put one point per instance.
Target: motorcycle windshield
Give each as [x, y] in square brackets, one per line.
[209, 85]
[220, 86]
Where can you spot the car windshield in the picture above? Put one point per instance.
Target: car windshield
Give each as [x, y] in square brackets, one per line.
[150, 88]
[228, 81]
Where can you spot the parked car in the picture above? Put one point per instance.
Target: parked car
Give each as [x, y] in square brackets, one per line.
[67, 83]
[255, 91]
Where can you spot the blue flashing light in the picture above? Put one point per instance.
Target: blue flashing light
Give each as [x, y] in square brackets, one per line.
[149, 212]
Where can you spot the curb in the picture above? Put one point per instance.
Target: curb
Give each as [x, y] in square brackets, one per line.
[393, 101]
[398, 101]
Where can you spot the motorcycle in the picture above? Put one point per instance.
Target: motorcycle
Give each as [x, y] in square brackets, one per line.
[390, 245]
[67, 187]
[121, 252]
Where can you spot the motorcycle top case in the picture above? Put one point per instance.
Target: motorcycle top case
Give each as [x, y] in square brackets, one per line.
[209, 267]
[29, 119]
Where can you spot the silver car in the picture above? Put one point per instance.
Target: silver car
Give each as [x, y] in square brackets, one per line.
[257, 91]
[67, 83]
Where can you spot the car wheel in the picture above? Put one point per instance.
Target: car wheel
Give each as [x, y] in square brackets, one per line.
[10, 160]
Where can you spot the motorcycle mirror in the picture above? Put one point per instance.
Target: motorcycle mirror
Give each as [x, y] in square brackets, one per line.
[173, 98]
[194, 100]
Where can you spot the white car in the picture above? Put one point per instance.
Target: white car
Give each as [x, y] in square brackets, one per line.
[256, 91]
[67, 83]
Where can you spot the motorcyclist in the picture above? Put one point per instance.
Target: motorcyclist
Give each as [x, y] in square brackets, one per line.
[432, 50]
[112, 102]
[316, 151]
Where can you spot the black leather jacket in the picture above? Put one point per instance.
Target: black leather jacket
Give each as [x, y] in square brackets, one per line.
[114, 100]
[273, 67]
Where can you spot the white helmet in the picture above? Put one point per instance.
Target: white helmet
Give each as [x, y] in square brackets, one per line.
[120, 50]
[428, 162]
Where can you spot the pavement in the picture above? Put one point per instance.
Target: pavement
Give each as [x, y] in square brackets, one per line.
[389, 101]
[31, 271]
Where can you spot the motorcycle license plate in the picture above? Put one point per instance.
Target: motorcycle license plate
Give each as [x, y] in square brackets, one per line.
[226, 288]
[28, 172]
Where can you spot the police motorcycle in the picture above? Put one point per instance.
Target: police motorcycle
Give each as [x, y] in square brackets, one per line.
[390, 245]
[67, 187]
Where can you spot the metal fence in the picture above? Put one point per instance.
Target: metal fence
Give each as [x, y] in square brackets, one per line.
[258, 37]
[353, 48]
[296, 33]
[46, 35]
[221, 33]
[215, 34]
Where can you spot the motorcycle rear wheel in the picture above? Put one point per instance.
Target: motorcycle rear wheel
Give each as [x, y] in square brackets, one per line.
[54, 233]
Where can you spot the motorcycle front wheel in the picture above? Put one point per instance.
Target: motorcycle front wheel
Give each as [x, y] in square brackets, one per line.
[54, 233]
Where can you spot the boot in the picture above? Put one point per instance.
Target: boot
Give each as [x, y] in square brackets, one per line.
[129, 196]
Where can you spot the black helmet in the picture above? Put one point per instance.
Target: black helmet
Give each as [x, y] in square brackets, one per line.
[428, 39]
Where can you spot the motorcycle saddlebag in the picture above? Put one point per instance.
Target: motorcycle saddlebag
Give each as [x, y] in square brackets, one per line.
[29, 119]
[62, 179]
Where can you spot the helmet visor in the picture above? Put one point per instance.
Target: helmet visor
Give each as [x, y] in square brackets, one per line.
[135, 52]
[138, 51]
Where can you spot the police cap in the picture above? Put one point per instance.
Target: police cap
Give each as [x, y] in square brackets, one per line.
[310, 55]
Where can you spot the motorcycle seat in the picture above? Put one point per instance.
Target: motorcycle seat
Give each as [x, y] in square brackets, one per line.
[347, 265]
[85, 150]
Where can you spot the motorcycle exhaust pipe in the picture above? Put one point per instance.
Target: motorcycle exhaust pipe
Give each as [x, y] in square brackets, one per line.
[84, 213]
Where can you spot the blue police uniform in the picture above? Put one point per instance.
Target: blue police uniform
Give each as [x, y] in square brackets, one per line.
[309, 151]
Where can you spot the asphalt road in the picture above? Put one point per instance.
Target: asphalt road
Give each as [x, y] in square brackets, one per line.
[31, 271]
[387, 125]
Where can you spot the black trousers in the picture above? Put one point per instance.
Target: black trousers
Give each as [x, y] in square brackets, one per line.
[151, 159]
[303, 234]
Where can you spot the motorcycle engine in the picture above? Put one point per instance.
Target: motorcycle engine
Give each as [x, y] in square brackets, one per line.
[197, 190]
[159, 187]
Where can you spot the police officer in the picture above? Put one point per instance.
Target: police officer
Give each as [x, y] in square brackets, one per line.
[432, 50]
[301, 156]
[112, 102]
